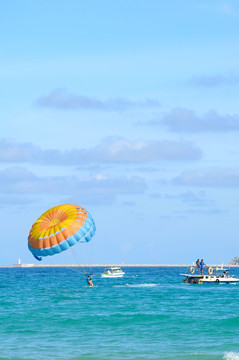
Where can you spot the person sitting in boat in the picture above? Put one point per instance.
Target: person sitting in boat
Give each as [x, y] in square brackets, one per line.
[202, 264]
[89, 280]
[225, 274]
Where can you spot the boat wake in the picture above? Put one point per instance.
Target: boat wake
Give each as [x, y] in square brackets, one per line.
[138, 285]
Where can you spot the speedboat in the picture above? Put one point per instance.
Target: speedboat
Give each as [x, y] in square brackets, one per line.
[113, 272]
[216, 274]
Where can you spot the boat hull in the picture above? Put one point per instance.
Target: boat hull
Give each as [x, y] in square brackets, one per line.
[190, 279]
[112, 276]
[222, 281]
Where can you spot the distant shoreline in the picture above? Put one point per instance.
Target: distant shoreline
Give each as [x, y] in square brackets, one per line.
[102, 265]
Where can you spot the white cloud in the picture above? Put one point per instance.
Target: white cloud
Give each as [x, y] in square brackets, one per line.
[185, 120]
[224, 7]
[14, 200]
[141, 151]
[214, 80]
[109, 151]
[62, 99]
[227, 8]
[195, 199]
[209, 178]
[12, 151]
[21, 182]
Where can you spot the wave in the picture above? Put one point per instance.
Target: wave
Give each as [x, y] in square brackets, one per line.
[231, 356]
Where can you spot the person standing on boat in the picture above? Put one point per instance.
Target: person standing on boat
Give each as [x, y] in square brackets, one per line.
[202, 264]
[198, 265]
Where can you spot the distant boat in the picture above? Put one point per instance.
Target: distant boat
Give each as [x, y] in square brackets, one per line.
[215, 275]
[113, 272]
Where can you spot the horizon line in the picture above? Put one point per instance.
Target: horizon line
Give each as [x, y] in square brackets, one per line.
[27, 265]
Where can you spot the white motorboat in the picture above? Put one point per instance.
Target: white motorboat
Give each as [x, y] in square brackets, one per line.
[218, 275]
[113, 272]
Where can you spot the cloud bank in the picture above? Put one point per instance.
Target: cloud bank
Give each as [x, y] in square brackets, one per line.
[214, 80]
[209, 178]
[185, 120]
[110, 151]
[62, 99]
[18, 181]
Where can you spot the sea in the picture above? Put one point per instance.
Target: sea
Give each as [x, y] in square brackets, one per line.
[51, 313]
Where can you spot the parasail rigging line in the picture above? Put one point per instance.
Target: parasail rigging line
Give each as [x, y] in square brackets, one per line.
[76, 256]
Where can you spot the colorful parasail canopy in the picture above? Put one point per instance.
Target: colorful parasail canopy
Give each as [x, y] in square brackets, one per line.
[60, 228]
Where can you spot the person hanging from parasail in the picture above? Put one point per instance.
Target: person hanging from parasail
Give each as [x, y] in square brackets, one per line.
[89, 280]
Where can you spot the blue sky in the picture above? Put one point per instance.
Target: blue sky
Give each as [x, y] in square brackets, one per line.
[129, 109]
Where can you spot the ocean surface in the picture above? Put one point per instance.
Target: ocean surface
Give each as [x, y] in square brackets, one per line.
[51, 313]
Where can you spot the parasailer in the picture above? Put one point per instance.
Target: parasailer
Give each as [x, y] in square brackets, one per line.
[89, 280]
[60, 228]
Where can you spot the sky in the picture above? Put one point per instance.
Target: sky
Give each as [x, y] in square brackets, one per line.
[129, 109]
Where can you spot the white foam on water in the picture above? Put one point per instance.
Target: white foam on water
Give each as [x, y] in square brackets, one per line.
[138, 285]
[231, 356]
[143, 285]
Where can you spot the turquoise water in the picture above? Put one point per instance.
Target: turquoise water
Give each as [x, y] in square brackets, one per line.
[51, 313]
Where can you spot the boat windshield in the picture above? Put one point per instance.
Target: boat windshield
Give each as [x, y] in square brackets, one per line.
[112, 270]
[222, 271]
